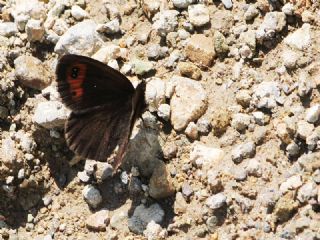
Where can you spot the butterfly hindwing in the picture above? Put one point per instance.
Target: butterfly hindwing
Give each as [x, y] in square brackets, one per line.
[85, 83]
[95, 134]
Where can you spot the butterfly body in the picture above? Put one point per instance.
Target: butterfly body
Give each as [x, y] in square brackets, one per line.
[104, 107]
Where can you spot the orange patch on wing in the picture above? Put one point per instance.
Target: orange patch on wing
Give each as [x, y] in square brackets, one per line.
[75, 84]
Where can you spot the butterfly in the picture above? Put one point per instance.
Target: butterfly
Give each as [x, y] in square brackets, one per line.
[104, 107]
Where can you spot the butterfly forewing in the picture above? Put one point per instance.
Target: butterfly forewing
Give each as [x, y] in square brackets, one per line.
[85, 83]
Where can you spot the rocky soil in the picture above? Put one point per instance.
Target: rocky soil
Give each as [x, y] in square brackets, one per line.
[229, 144]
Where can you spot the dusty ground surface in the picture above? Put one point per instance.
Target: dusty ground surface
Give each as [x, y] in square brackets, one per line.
[230, 151]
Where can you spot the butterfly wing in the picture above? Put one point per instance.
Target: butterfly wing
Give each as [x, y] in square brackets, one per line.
[104, 107]
[95, 134]
[84, 83]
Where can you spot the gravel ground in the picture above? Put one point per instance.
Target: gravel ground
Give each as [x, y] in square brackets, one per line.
[229, 144]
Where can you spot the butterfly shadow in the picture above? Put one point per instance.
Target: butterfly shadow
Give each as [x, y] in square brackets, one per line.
[56, 154]
[144, 153]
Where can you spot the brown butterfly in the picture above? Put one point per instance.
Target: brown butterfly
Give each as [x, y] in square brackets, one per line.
[104, 107]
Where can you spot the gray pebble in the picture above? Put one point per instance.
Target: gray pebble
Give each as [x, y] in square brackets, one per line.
[242, 151]
[292, 149]
[143, 215]
[92, 196]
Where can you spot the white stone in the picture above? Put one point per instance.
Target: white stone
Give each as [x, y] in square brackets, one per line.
[165, 22]
[251, 12]
[32, 9]
[188, 103]
[31, 72]
[240, 121]
[273, 23]
[204, 156]
[8, 29]
[227, 3]
[106, 53]
[253, 168]
[155, 93]
[182, 3]
[21, 21]
[81, 38]
[78, 13]
[154, 231]
[35, 30]
[288, 9]
[242, 151]
[51, 114]
[114, 64]
[8, 152]
[216, 201]
[92, 196]
[265, 95]
[259, 118]
[313, 113]
[60, 27]
[198, 15]
[301, 38]
[290, 58]
[53, 14]
[192, 131]
[164, 111]
[99, 220]
[83, 176]
[110, 27]
[304, 129]
[307, 191]
[26, 142]
[291, 183]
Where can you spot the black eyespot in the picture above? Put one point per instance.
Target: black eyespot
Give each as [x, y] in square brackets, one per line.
[74, 72]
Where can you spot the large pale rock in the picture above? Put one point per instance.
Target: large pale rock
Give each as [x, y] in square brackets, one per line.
[31, 72]
[8, 29]
[204, 156]
[273, 23]
[51, 114]
[301, 38]
[31, 9]
[81, 38]
[198, 15]
[200, 49]
[165, 22]
[188, 103]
